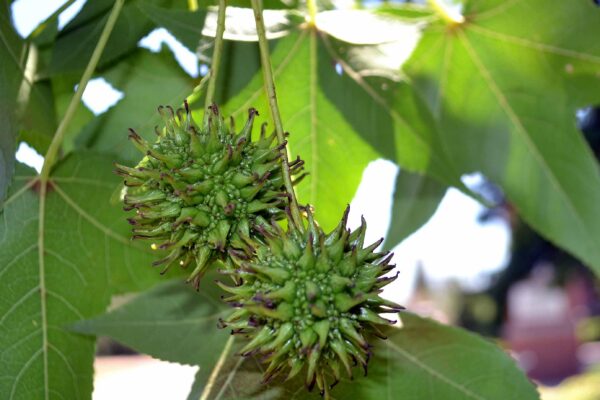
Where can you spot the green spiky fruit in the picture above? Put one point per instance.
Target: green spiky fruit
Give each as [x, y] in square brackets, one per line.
[308, 299]
[197, 190]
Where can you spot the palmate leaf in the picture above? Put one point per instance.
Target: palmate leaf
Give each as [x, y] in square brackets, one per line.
[505, 86]
[338, 123]
[59, 264]
[422, 360]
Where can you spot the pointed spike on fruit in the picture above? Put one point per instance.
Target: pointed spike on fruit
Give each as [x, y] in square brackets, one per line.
[256, 205]
[369, 249]
[347, 266]
[386, 260]
[291, 249]
[201, 219]
[221, 198]
[221, 165]
[283, 334]
[308, 337]
[322, 329]
[345, 302]
[202, 262]
[150, 196]
[277, 275]
[265, 335]
[372, 317]
[313, 227]
[246, 132]
[286, 293]
[339, 230]
[202, 187]
[249, 192]
[339, 349]
[243, 291]
[173, 255]
[263, 131]
[313, 361]
[240, 180]
[307, 260]
[296, 365]
[375, 299]
[318, 309]
[139, 142]
[179, 114]
[312, 291]
[348, 329]
[335, 370]
[339, 283]
[336, 249]
[322, 264]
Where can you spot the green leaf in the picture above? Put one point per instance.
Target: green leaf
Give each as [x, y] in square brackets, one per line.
[422, 360]
[171, 322]
[416, 197]
[505, 86]
[77, 40]
[147, 80]
[186, 26]
[337, 123]
[60, 261]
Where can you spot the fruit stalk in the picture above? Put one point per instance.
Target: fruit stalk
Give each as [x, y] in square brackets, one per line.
[271, 94]
[216, 59]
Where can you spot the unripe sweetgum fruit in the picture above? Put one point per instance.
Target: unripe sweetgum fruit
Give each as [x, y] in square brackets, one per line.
[309, 300]
[197, 190]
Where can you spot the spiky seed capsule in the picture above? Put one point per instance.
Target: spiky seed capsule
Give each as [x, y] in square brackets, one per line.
[309, 299]
[197, 190]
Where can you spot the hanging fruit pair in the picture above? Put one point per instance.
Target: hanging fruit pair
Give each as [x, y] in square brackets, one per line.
[197, 191]
[306, 299]
[303, 298]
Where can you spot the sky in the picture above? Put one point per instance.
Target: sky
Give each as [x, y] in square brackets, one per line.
[452, 245]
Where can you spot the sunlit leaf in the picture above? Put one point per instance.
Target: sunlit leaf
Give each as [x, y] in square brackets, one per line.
[505, 85]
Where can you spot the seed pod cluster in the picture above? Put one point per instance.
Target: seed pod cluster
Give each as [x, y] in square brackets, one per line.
[306, 299]
[197, 191]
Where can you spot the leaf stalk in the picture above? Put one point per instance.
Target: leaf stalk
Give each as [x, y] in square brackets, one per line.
[52, 153]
